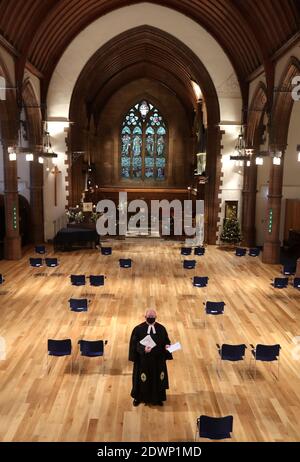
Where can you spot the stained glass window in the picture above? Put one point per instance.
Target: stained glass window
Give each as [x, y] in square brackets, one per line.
[143, 143]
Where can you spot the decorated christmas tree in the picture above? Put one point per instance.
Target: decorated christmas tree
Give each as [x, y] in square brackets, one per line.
[231, 231]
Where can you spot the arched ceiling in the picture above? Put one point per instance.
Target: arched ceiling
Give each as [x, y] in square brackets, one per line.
[249, 31]
[143, 51]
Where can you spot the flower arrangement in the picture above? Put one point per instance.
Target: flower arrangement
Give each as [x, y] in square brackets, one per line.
[75, 216]
[94, 216]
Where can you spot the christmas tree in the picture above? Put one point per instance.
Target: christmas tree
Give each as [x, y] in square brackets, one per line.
[231, 231]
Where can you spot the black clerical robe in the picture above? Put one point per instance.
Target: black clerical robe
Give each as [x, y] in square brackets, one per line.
[150, 375]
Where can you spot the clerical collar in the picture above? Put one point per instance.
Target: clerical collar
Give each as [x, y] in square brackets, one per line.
[151, 327]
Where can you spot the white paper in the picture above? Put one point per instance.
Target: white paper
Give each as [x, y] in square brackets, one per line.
[176, 346]
[148, 341]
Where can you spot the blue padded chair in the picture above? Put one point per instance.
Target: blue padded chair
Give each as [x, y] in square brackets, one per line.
[265, 353]
[240, 252]
[280, 283]
[77, 280]
[214, 428]
[186, 250]
[106, 250]
[78, 304]
[60, 348]
[1, 279]
[51, 262]
[97, 280]
[200, 281]
[296, 283]
[288, 269]
[40, 249]
[199, 251]
[189, 264]
[214, 308]
[254, 252]
[91, 349]
[232, 353]
[125, 262]
[36, 262]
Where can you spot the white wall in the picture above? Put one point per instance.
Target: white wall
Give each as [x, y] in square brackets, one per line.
[291, 173]
[232, 176]
[53, 213]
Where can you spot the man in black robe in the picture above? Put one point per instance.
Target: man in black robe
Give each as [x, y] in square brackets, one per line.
[150, 375]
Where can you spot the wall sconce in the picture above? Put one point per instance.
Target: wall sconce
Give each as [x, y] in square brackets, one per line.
[259, 161]
[298, 150]
[12, 154]
[29, 157]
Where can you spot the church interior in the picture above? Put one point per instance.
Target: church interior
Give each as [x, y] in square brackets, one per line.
[178, 101]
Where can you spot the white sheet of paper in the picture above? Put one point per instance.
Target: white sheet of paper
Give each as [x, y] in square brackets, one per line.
[176, 346]
[148, 341]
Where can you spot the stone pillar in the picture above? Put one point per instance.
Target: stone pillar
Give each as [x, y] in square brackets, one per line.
[249, 204]
[36, 200]
[271, 252]
[12, 239]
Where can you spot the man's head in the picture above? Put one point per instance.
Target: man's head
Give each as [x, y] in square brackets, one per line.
[150, 316]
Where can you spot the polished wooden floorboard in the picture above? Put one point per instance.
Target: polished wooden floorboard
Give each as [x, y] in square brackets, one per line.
[64, 406]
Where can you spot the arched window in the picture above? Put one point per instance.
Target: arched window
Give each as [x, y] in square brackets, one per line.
[143, 143]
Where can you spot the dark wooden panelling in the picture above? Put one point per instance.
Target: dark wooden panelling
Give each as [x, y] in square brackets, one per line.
[292, 216]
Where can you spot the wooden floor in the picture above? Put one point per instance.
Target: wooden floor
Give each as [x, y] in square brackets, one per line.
[64, 406]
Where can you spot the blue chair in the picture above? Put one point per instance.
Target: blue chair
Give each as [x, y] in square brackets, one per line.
[186, 250]
[232, 353]
[280, 283]
[1, 279]
[200, 281]
[288, 269]
[199, 251]
[214, 309]
[240, 252]
[36, 262]
[125, 262]
[78, 304]
[265, 353]
[40, 249]
[60, 348]
[214, 428]
[91, 349]
[106, 250]
[51, 262]
[77, 280]
[254, 252]
[296, 283]
[97, 280]
[189, 264]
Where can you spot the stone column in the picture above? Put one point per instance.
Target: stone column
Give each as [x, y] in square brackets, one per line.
[36, 200]
[271, 252]
[249, 204]
[12, 239]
